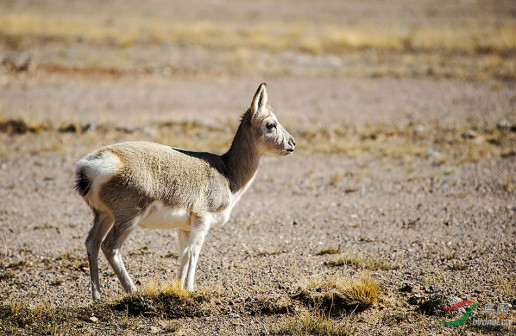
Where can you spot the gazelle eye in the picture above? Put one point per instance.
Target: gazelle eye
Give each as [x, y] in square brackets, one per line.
[270, 125]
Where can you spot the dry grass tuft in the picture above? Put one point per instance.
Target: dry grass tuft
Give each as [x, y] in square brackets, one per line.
[508, 285]
[154, 289]
[70, 262]
[364, 290]
[165, 299]
[265, 252]
[457, 265]
[338, 295]
[312, 323]
[161, 300]
[335, 179]
[47, 319]
[269, 305]
[359, 262]
[329, 250]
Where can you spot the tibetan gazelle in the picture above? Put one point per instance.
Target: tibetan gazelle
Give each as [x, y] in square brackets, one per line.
[155, 186]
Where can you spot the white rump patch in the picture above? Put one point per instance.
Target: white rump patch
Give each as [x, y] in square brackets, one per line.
[159, 216]
[98, 169]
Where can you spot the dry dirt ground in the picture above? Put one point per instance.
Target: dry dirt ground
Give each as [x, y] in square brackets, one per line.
[405, 165]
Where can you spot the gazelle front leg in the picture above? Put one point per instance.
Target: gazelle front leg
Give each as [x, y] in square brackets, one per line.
[200, 226]
[183, 238]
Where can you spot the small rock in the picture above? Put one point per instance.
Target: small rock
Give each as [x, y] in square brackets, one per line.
[433, 154]
[469, 134]
[435, 303]
[89, 127]
[94, 319]
[503, 124]
[420, 129]
[154, 330]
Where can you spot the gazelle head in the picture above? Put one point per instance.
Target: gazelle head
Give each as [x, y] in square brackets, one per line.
[272, 137]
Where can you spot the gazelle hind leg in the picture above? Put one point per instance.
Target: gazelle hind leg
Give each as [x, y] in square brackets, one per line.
[183, 238]
[101, 224]
[111, 248]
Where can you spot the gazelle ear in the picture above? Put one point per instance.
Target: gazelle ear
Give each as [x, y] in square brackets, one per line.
[259, 102]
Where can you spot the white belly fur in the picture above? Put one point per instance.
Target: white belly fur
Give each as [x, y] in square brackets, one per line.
[158, 216]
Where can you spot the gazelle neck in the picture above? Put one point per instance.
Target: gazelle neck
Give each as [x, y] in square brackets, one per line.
[242, 158]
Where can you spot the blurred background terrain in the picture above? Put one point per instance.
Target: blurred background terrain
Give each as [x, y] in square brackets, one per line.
[404, 114]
